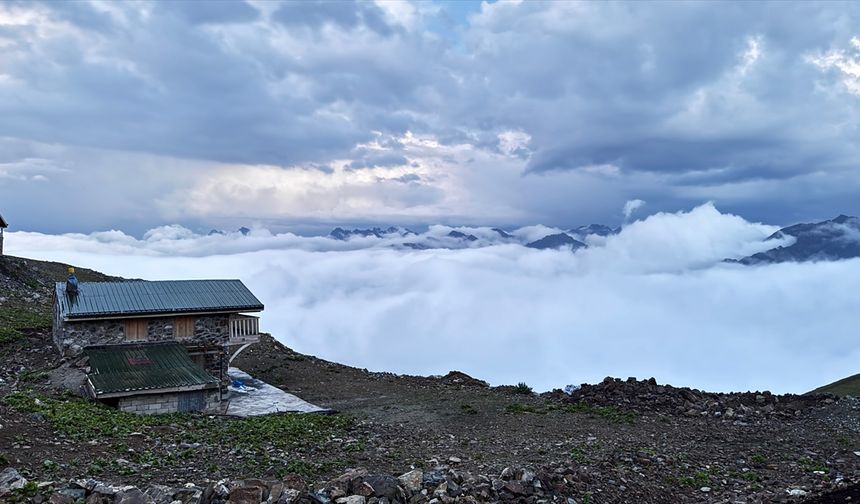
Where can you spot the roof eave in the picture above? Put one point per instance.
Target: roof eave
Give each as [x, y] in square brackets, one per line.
[114, 316]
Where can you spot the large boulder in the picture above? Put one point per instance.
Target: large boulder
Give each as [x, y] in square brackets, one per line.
[246, 495]
[134, 496]
[384, 486]
[412, 480]
[10, 480]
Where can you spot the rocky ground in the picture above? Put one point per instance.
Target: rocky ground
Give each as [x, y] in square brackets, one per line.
[411, 439]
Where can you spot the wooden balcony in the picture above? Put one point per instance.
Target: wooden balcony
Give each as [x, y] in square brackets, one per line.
[244, 330]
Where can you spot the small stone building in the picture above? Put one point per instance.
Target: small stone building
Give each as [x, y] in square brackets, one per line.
[3, 226]
[156, 346]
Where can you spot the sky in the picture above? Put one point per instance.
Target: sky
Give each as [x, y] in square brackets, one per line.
[654, 300]
[301, 116]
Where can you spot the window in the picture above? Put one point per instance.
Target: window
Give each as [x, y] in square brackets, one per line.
[136, 330]
[184, 327]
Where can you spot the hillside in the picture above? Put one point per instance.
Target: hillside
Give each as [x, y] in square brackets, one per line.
[849, 386]
[830, 240]
[26, 287]
[451, 438]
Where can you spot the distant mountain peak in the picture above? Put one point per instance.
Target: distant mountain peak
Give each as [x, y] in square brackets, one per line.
[340, 233]
[595, 229]
[245, 231]
[842, 219]
[555, 241]
[834, 239]
[462, 236]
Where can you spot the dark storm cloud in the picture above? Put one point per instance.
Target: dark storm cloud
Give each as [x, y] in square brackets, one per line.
[162, 86]
[213, 11]
[678, 102]
[348, 14]
[613, 83]
[693, 161]
[377, 160]
[409, 177]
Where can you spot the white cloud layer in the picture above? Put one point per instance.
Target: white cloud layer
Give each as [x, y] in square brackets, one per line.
[654, 300]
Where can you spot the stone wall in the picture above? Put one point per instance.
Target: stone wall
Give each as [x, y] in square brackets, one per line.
[71, 337]
[210, 333]
[158, 404]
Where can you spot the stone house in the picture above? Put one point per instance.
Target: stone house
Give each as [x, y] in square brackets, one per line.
[155, 346]
[3, 226]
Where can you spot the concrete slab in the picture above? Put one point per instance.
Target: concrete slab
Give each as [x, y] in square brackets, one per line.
[251, 397]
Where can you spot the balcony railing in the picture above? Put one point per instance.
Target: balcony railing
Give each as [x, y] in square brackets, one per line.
[244, 329]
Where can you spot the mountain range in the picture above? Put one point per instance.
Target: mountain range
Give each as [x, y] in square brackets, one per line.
[449, 238]
[828, 240]
[243, 230]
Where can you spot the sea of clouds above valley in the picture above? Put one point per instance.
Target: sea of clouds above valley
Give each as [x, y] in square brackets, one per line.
[654, 300]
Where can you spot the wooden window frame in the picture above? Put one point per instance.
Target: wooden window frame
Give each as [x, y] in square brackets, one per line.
[136, 330]
[184, 327]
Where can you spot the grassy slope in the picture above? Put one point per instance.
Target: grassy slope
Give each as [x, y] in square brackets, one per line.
[845, 387]
[44, 273]
[26, 286]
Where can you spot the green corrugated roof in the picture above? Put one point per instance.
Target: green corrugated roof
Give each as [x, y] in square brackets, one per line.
[144, 368]
[139, 297]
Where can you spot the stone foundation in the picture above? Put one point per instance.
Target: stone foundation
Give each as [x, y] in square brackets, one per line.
[159, 404]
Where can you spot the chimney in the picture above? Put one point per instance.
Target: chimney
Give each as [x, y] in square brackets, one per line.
[72, 282]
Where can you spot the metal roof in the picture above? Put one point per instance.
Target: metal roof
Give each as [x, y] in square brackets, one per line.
[139, 297]
[118, 370]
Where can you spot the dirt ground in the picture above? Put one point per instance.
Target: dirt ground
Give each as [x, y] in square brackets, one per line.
[417, 419]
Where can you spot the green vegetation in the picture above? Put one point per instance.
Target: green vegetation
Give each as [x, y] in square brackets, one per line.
[14, 319]
[651, 452]
[758, 459]
[33, 375]
[50, 466]
[612, 413]
[29, 491]
[81, 419]
[809, 465]
[579, 455]
[523, 388]
[31, 277]
[751, 476]
[468, 409]
[697, 480]
[518, 408]
[845, 387]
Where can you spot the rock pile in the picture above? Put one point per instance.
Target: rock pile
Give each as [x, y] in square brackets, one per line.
[441, 485]
[647, 396]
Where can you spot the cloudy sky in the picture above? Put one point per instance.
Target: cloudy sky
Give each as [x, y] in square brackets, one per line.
[307, 114]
